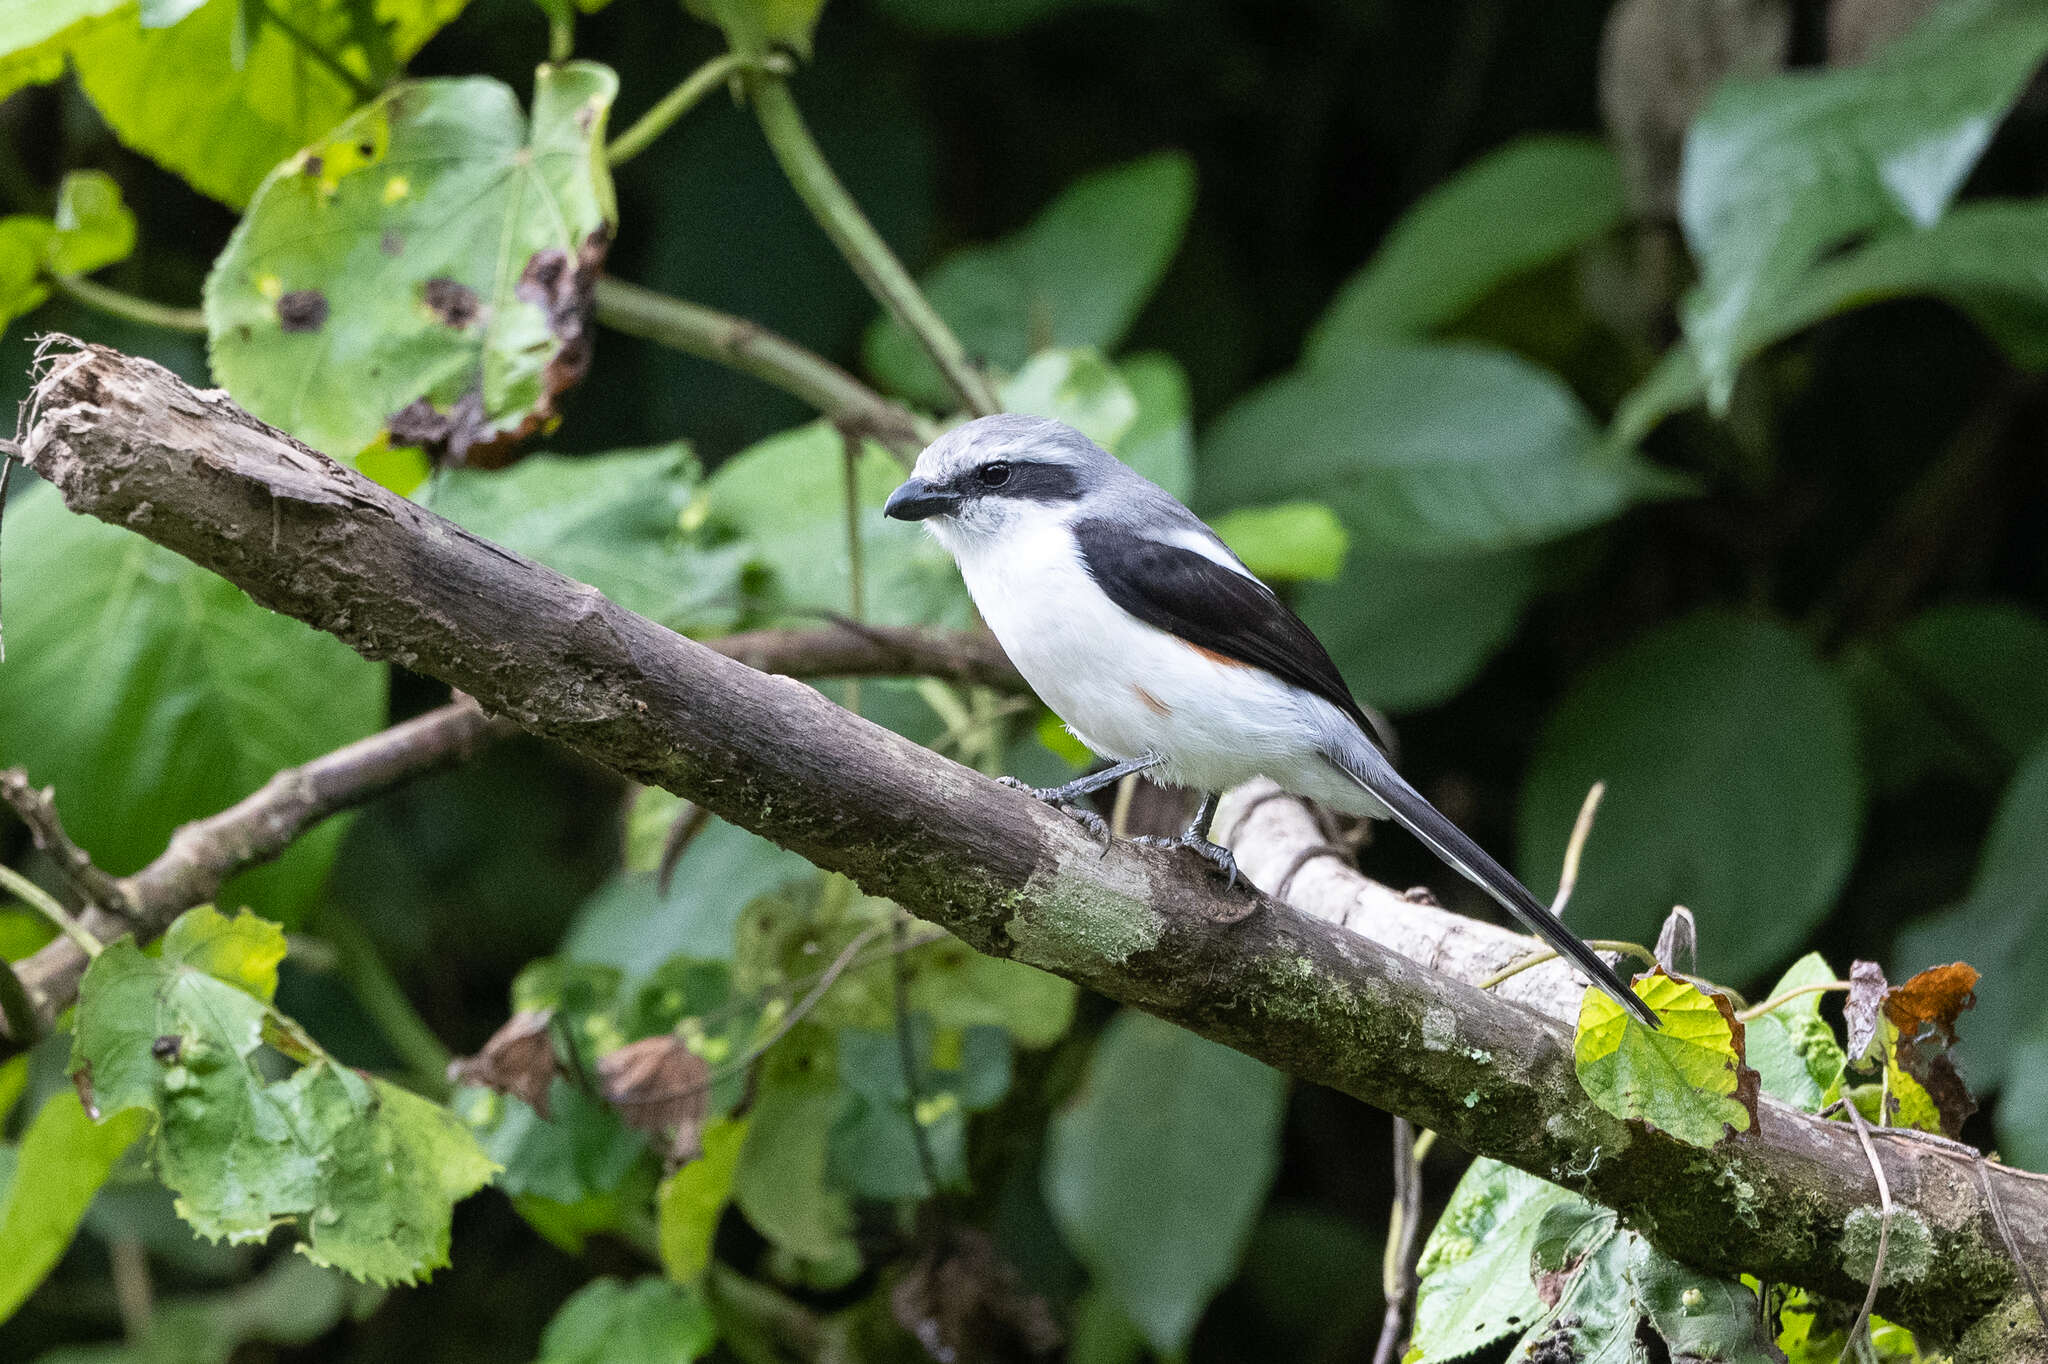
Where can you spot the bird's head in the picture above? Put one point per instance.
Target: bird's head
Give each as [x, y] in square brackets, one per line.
[995, 473]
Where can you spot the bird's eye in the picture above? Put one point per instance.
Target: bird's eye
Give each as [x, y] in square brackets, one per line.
[994, 475]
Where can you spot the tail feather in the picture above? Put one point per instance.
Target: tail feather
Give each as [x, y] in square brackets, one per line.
[1476, 865]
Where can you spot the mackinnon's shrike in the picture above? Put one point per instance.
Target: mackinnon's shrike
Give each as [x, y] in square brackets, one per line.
[1163, 653]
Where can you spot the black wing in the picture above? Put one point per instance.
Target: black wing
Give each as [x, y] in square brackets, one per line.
[1196, 599]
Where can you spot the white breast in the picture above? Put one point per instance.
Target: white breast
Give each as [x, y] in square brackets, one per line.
[1124, 687]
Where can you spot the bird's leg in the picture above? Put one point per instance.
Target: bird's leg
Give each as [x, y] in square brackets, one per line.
[1195, 838]
[1066, 798]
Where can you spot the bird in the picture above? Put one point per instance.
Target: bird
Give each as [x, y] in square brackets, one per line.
[1134, 622]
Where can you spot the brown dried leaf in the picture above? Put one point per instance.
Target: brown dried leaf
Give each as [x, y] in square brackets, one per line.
[519, 1060]
[963, 1302]
[662, 1087]
[1924, 1010]
[1934, 998]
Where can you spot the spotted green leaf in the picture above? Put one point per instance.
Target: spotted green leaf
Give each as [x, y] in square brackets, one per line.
[368, 1173]
[1686, 1077]
[1476, 1283]
[422, 274]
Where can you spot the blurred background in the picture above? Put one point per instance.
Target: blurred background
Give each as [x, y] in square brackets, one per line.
[1601, 438]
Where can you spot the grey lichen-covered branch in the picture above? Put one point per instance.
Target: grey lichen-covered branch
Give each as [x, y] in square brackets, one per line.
[126, 441]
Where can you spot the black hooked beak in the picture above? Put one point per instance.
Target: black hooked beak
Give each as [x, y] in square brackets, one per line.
[917, 499]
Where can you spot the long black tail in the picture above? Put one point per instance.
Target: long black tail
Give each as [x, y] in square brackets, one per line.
[1476, 865]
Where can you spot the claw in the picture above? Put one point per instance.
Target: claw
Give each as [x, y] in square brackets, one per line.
[1066, 805]
[1214, 854]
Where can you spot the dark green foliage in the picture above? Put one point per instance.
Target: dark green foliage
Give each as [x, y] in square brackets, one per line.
[1734, 512]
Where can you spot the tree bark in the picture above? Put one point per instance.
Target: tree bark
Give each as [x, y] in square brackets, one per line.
[126, 441]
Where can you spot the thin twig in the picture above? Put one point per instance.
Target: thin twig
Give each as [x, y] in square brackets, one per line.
[687, 95]
[46, 905]
[1884, 1226]
[2012, 1248]
[856, 575]
[1582, 827]
[114, 303]
[753, 349]
[690, 822]
[906, 1056]
[38, 810]
[1757, 1011]
[9, 452]
[1397, 1269]
[872, 260]
[1515, 968]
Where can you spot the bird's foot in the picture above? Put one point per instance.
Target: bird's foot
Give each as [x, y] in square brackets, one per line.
[1215, 854]
[1067, 803]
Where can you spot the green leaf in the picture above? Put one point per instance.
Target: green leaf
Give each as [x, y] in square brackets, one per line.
[1160, 443]
[24, 248]
[441, 245]
[150, 692]
[758, 27]
[647, 1321]
[1410, 632]
[1512, 210]
[1686, 1078]
[178, 95]
[1596, 1318]
[1958, 690]
[243, 951]
[1998, 925]
[781, 1182]
[1699, 1317]
[1475, 1284]
[35, 35]
[2023, 1108]
[1778, 171]
[63, 1159]
[1076, 276]
[1792, 1048]
[1077, 387]
[613, 521]
[580, 1153]
[629, 924]
[1730, 758]
[783, 501]
[785, 937]
[874, 1149]
[1158, 1169]
[369, 1172]
[1427, 451]
[93, 227]
[691, 1200]
[1287, 542]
